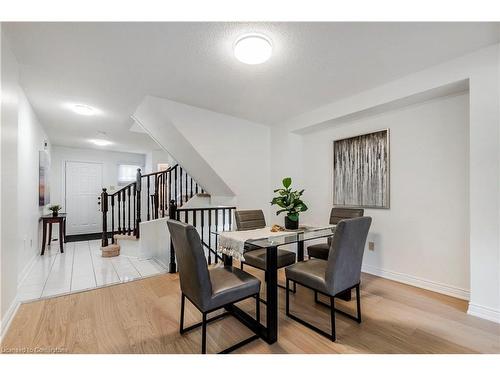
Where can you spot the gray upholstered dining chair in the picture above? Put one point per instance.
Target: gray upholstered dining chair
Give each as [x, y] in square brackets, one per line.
[254, 219]
[341, 272]
[208, 289]
[336, 214]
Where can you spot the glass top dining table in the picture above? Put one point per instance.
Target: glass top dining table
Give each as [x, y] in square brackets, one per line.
[269, 332]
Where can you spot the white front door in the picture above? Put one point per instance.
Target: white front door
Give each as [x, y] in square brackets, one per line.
[83, 187]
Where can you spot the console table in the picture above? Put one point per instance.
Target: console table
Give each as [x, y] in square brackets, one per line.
[47, 221]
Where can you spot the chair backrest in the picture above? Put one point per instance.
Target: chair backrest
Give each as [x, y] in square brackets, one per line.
[193, 269]
[346, 254]
[340, 213]
[249, 219]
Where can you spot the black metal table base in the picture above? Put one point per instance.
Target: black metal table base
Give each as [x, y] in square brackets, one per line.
[268, 333]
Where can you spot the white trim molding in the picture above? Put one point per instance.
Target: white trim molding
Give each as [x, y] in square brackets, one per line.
[8, 317]
[484, 312]
[27, 269]
[449, 290]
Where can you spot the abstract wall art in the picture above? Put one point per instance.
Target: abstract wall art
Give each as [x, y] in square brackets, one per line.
[43, 178]
[361, 171]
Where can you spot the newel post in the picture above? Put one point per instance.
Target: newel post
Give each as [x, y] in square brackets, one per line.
[104, 209]
[172, 214]
[138, 188]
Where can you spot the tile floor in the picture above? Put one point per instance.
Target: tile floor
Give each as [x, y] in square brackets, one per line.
[81, 267]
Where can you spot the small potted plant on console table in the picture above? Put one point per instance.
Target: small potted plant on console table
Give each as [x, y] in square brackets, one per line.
[290, 202]
[55, 209]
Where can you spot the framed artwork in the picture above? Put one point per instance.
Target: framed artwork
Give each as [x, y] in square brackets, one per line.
[361, 171]
[43, 178]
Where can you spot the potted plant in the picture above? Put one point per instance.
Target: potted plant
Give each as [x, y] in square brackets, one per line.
[290, 202]
[55, 208]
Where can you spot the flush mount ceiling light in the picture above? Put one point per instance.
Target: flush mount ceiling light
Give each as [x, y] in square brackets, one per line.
[100, 142]
[253, 49]
[83, 109]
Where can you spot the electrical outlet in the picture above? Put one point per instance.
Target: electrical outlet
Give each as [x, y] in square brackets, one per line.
[371, 246]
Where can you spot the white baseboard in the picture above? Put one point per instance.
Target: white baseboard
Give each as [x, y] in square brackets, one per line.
[27, 269]
[157, 260]
[11, 311]
[7, 319]
[418, 282]
[484, 312]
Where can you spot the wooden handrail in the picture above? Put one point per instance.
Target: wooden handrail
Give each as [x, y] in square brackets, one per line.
[160, 188]
[207, 208]
[161, 172]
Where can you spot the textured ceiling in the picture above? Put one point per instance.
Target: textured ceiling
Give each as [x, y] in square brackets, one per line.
[113, 65]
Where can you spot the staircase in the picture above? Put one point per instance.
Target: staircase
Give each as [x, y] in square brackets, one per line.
[170, 193]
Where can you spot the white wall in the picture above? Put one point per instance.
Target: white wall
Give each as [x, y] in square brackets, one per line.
[155, 157]
[31, 139]
[109, 159]
[8, 235]
[22, 136]
[481, 69]
[424, 234]
[233, 150]
[238, 150]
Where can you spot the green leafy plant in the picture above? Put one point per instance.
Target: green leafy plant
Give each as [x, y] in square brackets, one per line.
[289, 200]
[55, 208]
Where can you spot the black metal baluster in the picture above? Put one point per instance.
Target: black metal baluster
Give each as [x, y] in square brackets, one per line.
[216, 229]
[112, 219]
[223, 219]
[174, 215]
[194, 218]
[209, 236]
[119, 197]
[202, 218]
[128, 211]
[196, 188]
[148, 199]
[164, 193]
[180, 185]
[186, 186]
[175, 186]
[134, 223]
[191, 185]
[104, 236]
[169, 181]
[155, 200]
[138, 187]
[230, 217]
[124, 226]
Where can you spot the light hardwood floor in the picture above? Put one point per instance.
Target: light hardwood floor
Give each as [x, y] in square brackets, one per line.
[143, 317]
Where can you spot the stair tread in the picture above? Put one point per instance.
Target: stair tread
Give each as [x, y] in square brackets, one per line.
[125, 237]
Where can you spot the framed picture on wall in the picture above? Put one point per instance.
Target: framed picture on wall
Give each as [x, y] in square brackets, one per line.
[361, 171]
[43, 178]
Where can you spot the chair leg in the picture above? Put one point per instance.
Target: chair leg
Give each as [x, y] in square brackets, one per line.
[330, 335]
[358, 303]
[257, 308]
[332, 317]
[241, 266]
[204, 334]
[287, 293]
[181, 328]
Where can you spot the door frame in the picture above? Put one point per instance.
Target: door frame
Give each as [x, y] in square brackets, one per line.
[64, 163]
